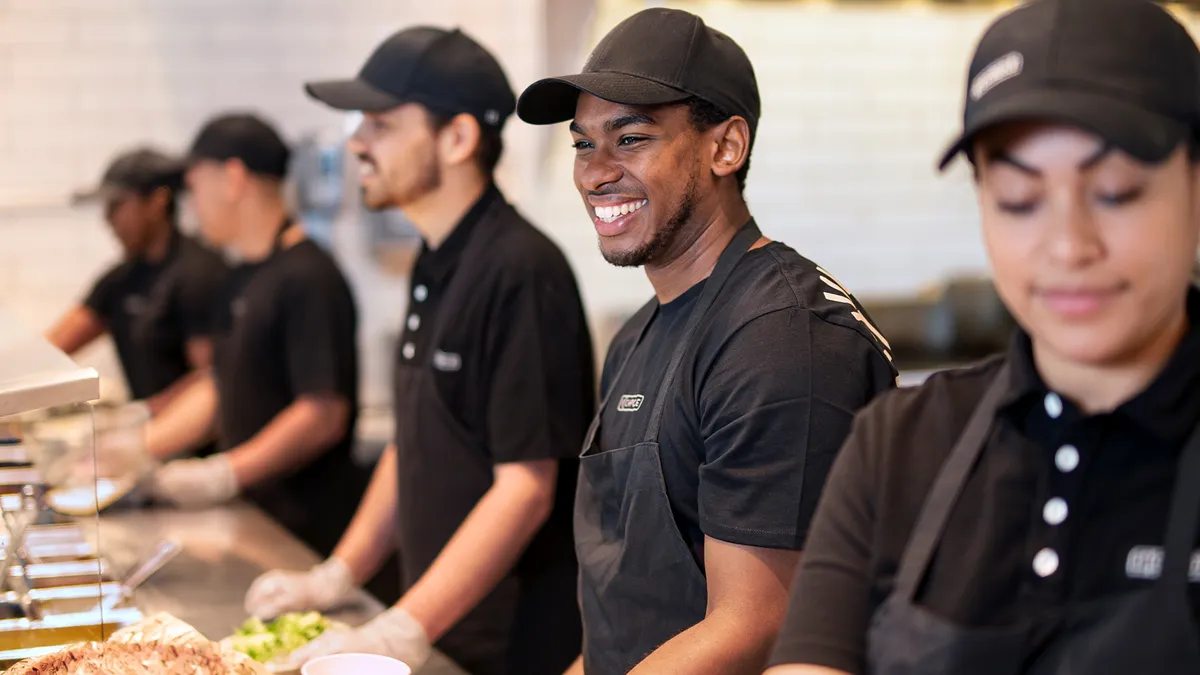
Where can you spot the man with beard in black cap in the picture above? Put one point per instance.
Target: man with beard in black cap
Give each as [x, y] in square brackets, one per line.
[493, 386]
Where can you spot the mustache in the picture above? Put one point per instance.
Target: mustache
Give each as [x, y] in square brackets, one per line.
[614, 190]
[366, 159]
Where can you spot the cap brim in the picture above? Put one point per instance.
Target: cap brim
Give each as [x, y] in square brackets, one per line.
[553, 99]
[100, 194]
[1145, 135]
[351, 95]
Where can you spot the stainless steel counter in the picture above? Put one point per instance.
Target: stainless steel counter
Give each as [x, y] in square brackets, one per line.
[224, 550]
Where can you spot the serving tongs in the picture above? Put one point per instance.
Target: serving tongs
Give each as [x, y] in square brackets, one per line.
[162, 554]
[17, 521]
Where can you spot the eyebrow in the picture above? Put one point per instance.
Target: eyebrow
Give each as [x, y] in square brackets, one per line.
[1001, 157]
[618, 123]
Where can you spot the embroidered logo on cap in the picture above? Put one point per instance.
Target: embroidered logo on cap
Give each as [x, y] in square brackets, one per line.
[1002, 69]
[630, 403]
[492, 117]
[1146, 562]
[447, 362]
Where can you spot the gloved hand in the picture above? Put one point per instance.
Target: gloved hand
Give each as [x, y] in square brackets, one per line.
[196, 483]
[320, 588]
[394, 633]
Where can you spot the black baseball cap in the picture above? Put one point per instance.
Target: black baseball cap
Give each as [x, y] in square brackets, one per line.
[141, 171]
[245, 137]
[443, 70]
[654, 57]
[1124, 70]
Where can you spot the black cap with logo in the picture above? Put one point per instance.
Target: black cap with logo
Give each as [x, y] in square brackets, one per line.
[1125, 70]
[445, 71]
[245, 137]
[140, 171]
[654, 57]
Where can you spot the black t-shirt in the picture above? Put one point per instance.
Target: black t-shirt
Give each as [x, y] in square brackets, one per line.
[153, 309]
[762, 401]
[1062, 507]
[288, 329]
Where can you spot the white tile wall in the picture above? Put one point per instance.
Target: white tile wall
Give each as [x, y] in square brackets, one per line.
[858, 100]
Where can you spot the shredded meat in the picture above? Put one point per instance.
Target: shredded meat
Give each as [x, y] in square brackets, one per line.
[159, 645]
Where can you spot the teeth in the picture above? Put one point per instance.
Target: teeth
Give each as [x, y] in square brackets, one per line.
[610, 213]
[365, 169]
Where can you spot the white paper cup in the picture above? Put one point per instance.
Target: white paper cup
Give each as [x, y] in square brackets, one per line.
[355, 664]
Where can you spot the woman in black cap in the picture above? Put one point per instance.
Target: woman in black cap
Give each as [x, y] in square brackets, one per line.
[1037, 513]
[157, 304]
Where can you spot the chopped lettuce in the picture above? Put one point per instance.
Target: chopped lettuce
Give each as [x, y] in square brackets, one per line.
[266, 641]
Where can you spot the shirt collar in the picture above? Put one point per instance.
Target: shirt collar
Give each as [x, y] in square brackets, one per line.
[1168, 408]
[437, 264]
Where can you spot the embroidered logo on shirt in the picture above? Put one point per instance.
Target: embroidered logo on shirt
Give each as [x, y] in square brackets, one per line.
[1146, 562]
[630, 403]
[447, 362]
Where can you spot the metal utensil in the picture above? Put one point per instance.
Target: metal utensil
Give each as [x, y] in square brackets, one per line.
[163, 554]
[16, 521]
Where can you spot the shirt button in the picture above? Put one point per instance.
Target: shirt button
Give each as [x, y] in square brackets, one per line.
[1045, 562]
[409, 351]
[414, 322]
[1067, 458]
[1054, 405]
[1055, 511]
[420, 293]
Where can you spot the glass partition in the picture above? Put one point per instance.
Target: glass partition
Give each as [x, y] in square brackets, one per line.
[56, 584]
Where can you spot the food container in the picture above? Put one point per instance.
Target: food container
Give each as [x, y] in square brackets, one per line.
[71, 573]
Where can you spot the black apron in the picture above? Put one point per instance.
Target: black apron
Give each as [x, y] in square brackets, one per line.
[639, 584]
[1146, 632]
[438, 488]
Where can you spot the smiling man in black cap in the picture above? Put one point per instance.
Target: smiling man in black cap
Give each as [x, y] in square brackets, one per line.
[493, 386]
[158, 303]
[1037, 513]
[725, 397]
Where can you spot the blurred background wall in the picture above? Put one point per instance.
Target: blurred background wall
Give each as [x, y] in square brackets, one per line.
[858, 99]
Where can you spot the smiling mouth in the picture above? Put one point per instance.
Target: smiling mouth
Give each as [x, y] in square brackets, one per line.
[609, 214]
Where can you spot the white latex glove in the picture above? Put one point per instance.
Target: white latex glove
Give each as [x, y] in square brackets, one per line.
[394, 633]
[320, 588]
[196, 483]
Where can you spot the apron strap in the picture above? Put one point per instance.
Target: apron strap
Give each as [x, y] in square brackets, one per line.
[947, 488]
[1184, 518]
[648, 312]
[277, 242]
[733, 253]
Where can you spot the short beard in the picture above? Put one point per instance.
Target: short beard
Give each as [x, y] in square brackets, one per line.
[663, 239]
[427, 179]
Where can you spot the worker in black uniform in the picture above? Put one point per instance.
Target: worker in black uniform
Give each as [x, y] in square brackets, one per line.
[1037, 513]
[494, 386]
[158, 303]
[727, 395]
[283, 394]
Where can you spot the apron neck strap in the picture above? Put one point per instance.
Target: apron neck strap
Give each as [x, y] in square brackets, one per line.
[947, 488]
[1184, 518]
[733, 253]
[277, 242]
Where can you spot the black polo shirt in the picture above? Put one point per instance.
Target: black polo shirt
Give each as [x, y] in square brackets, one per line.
[515, 368]
[152, 309]
[762, 402]
[288, 329]
[1062, 508]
